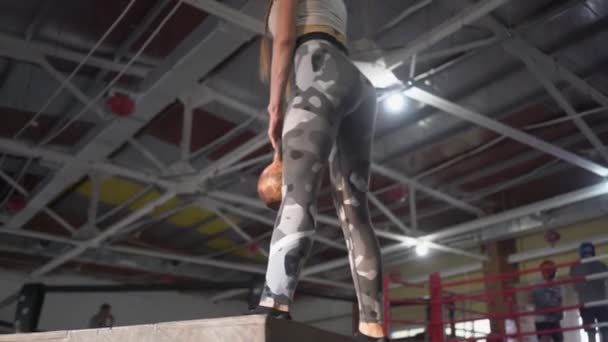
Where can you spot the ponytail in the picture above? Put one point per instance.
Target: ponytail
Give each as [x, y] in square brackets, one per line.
[265, 47]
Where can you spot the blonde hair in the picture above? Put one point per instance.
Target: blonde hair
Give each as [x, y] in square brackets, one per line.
[265, 47]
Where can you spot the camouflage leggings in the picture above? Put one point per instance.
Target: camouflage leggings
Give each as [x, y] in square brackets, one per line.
[331, 117]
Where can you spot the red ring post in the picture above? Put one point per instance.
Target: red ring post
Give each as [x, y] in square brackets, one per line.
[436, 331]
[386, 306]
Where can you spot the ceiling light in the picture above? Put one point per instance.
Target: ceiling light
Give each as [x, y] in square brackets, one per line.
[422, 248]
[395, 102]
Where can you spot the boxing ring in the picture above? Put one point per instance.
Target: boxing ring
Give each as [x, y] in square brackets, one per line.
[446, 307]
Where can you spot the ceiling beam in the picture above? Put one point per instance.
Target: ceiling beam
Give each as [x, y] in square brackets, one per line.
[386, 172]
[442, 196]
[404, 239]
[83, 162]
[191, 183]
[196, 260]
[561, 100]
[586, 193]
[21, 50]
[583, 194]
[428, 98]
[522, 49]
[468, 15]
[406, 138]
[230, 14]
[565, 142]
[194, 61]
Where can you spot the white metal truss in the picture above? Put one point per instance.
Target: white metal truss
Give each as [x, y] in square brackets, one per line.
[231, 15]
[170, 81]
[486, 222]
[189, 185]
[195, 260]
[403, 239]
[442, 196]
[19, 49]
[163, 86]
[385, 171]
[466, 16]
[166, 86]
[496, 126]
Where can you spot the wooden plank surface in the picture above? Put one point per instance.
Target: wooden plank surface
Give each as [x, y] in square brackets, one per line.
[228, 329]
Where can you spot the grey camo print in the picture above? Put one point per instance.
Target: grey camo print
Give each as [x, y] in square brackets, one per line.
[330, 118]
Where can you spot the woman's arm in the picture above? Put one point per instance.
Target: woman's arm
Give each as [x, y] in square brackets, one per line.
[282, 59]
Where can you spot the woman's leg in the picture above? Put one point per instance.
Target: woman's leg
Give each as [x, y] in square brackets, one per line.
[350, 163]
[307, 140]
[308, 134]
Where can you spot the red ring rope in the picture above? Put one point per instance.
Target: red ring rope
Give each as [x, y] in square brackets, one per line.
[438, 300]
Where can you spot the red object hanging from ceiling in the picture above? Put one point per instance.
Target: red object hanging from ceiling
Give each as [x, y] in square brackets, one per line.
[397, 194]
[253, 247]
[15, 203]
[552, 237]
[121, 105]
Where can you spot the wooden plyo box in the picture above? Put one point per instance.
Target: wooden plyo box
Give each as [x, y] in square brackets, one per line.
[229, 329]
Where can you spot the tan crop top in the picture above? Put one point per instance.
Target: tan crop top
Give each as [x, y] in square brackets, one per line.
[328, 13]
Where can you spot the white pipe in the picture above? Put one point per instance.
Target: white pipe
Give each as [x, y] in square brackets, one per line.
[244, 164]
[549, 251]
[146, 153]
[94, 200]
[228, 295]
[261, 218]
[389, 214]
[94, 242]
[235, 227]
[395, 175]
[534, 208]
[24, 192]
[124, 205]
[413, 209]
[60, 220]
[13, 183]
[22, 149]
[450, 272]
[242, 151]
[187, 119]
[455, 49]
[403, 15]
[595, 258]
[596, 276]
[596, 303]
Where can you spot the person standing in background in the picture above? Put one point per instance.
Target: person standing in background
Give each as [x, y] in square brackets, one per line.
[103, 318]
[591, 291]
[547, 298]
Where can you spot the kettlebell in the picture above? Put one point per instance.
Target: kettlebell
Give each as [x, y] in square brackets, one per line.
[270, 183]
